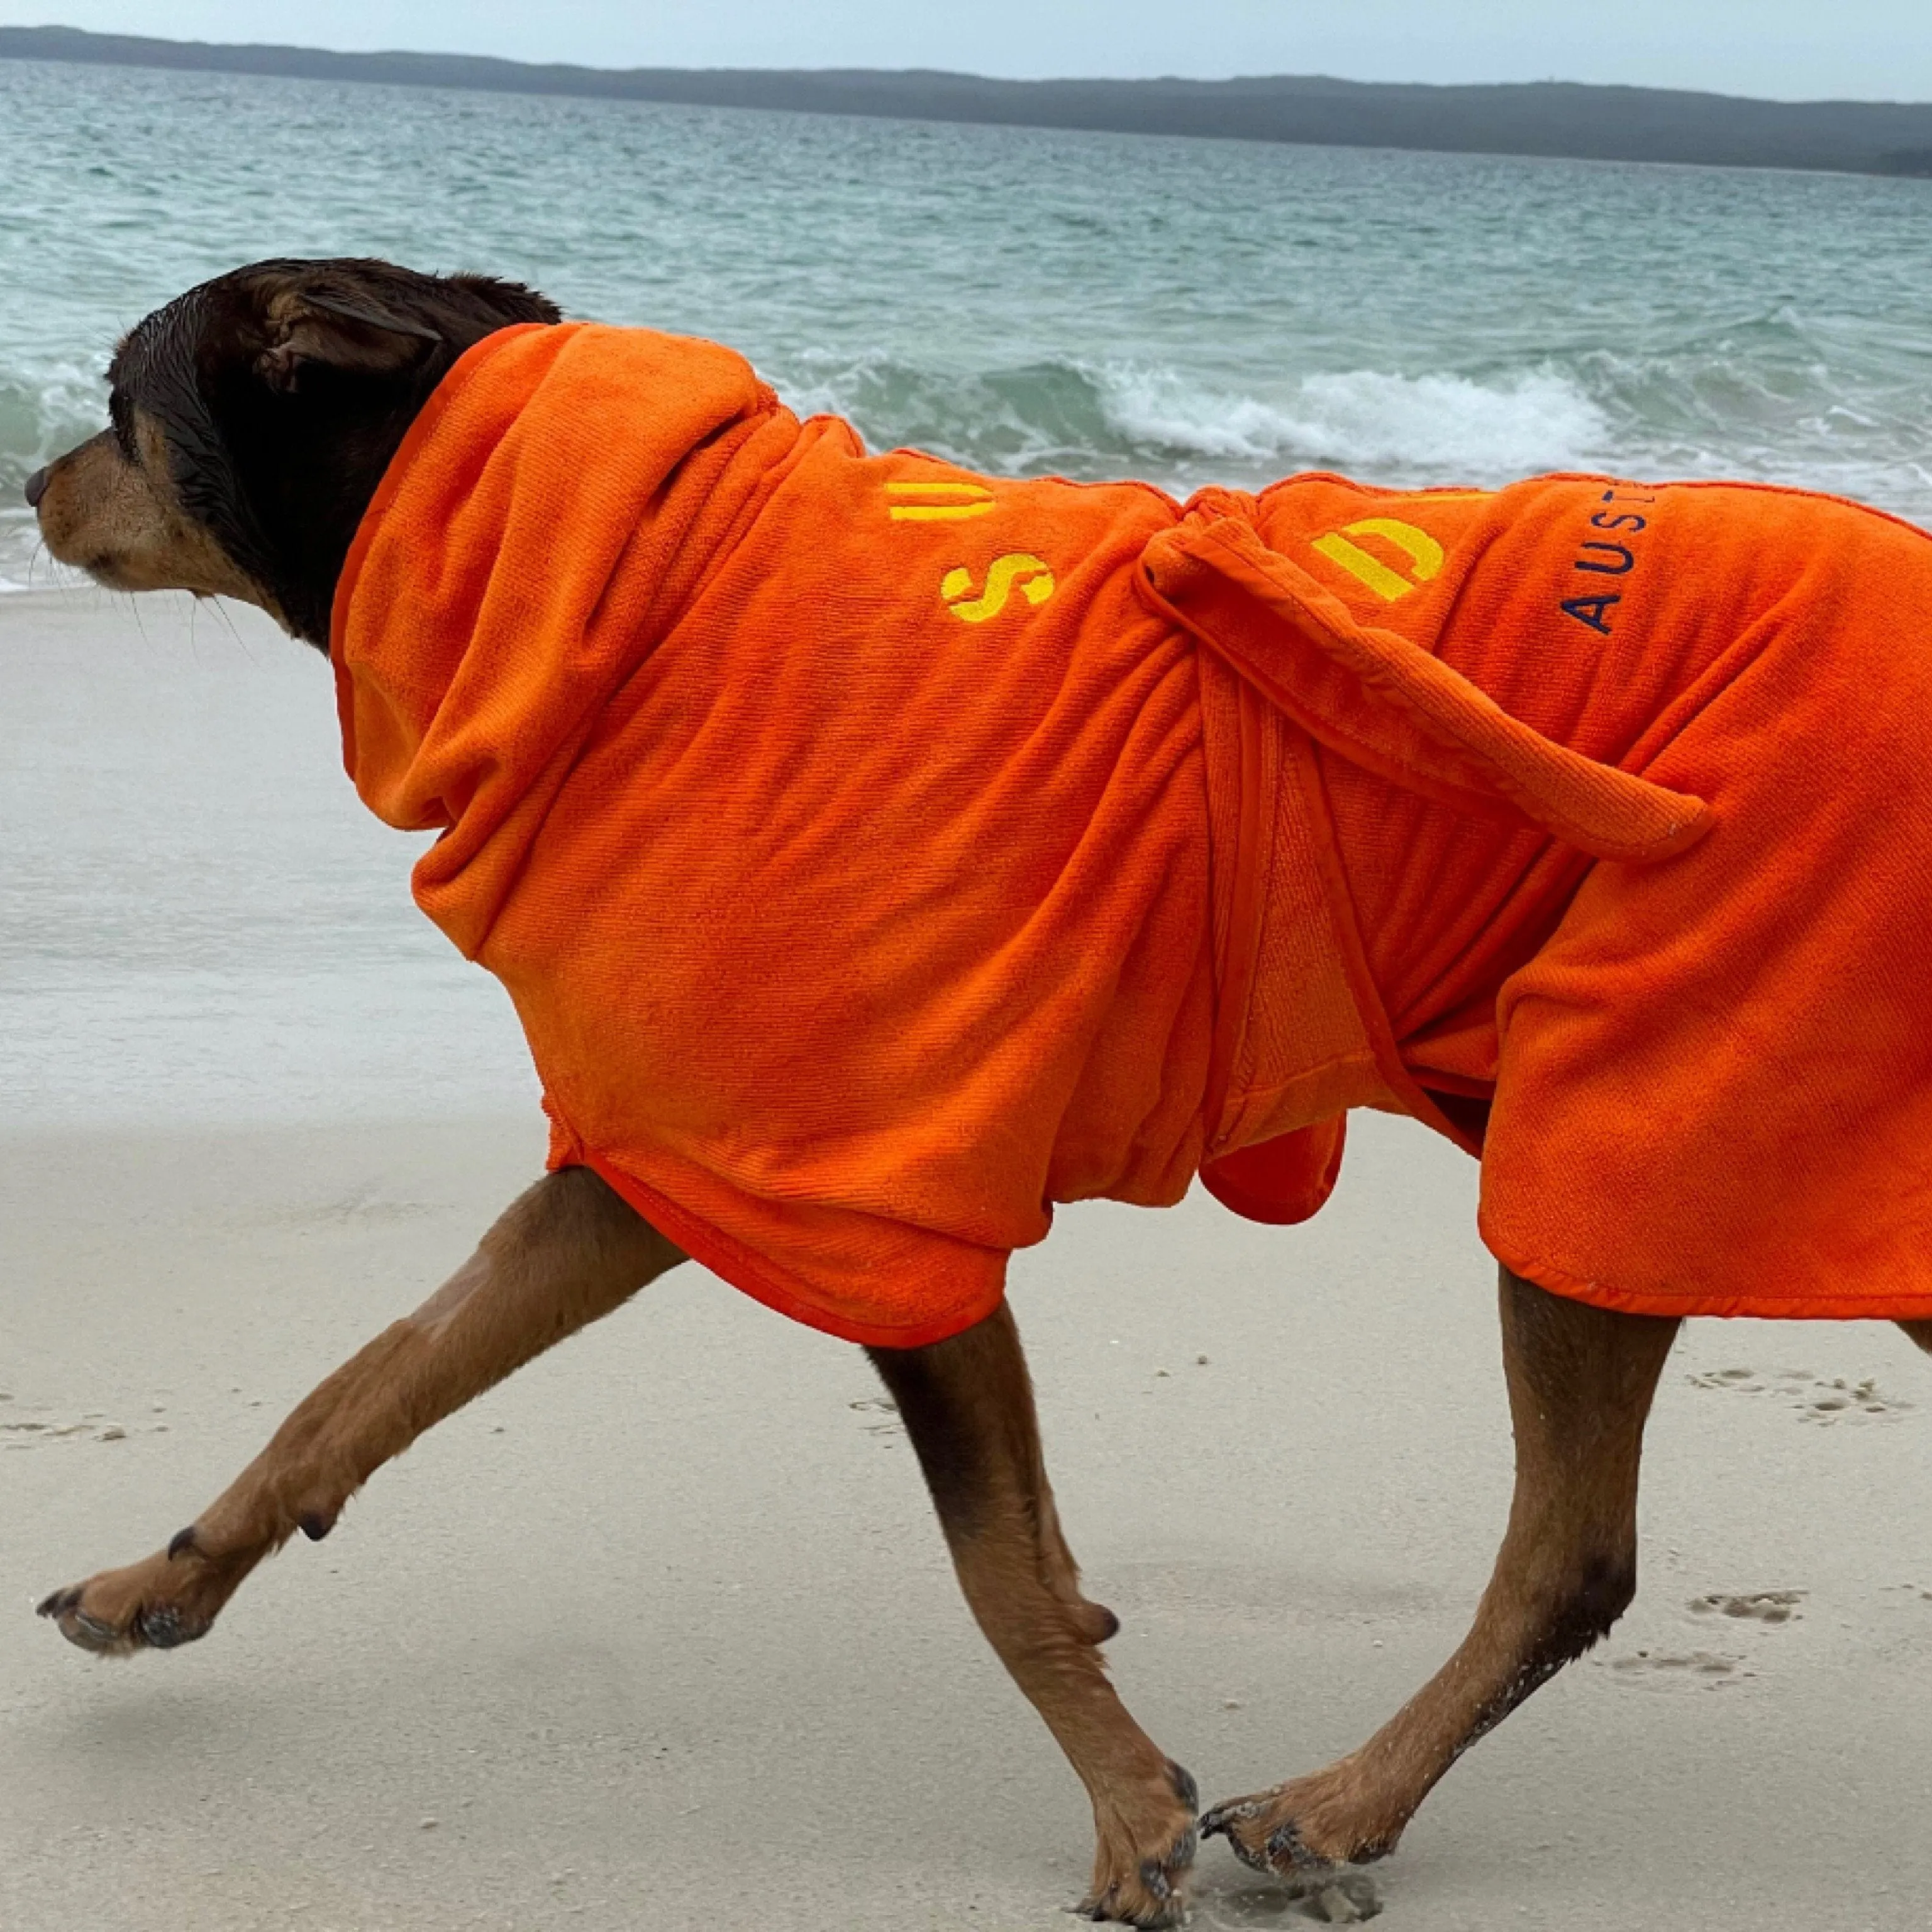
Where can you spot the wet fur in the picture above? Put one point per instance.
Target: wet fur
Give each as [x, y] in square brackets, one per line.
[251, 421]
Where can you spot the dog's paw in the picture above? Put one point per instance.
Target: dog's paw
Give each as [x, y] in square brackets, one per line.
[170, 1599]
[1141, 1868]
[1309, 1825]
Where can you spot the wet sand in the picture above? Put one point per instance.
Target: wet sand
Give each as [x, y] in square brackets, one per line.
[661, 1633]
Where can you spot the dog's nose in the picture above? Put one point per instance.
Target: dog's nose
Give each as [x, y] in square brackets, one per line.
[37, 487]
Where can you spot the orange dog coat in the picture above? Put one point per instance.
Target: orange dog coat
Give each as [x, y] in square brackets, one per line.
[877, 853]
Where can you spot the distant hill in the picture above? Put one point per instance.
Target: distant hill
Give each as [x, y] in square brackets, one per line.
[1609, 124]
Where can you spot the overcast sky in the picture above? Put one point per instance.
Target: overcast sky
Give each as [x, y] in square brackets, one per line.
[1872, 49]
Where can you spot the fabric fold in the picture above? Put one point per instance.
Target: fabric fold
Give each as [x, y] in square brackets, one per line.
[1391, 707]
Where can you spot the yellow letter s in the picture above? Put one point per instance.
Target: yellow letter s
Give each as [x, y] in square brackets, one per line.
[1028, 574]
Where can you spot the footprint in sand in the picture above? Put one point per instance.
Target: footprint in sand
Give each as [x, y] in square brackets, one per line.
[1815, 1399]
[1763, 1607]
[366, 1207]
[1712, 1669]
[1703, 1668]
[26, 1432]
[1342, 1898]
[34, 1428]
[1349, 1897]
[887, 1421]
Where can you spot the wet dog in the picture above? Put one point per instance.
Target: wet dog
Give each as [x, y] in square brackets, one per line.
[252, 422]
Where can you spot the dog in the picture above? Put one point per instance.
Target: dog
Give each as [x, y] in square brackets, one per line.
[1523, 747]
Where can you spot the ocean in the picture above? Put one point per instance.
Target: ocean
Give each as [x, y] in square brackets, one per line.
[1025, 300]
[1028, 300]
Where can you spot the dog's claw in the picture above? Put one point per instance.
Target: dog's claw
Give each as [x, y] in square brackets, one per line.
[1220, 1822]
[1284, 1851]
[181, 1542]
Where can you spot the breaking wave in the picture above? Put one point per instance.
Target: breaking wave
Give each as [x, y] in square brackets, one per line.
[1365, 421]
[1099, 419]
[1707, 409]
[45, 407]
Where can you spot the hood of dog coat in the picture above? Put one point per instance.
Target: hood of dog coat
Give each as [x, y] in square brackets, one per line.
[838, 823]
[529, 541]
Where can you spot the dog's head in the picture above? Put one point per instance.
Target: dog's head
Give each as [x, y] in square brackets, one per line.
[250, 422]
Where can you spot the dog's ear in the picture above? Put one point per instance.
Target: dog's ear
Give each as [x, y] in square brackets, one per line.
[353, 333]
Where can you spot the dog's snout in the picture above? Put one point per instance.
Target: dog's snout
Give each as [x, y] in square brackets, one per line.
[37, 487]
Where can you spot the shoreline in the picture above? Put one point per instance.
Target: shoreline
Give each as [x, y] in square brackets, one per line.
[203, 924]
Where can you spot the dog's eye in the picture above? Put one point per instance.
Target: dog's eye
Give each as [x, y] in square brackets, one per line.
[121, 415]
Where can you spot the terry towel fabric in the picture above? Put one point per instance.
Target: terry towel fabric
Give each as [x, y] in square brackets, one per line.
[878, 853]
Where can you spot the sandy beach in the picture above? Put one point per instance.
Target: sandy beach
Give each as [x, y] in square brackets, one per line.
[661, 1633]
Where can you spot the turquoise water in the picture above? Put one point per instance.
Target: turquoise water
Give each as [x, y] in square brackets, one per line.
[1028, 300]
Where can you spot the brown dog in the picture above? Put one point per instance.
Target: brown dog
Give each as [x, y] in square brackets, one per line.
[252, 421]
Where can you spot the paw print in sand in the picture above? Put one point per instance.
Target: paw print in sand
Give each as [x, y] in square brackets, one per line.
[1762, 1606]
[1815, 1399]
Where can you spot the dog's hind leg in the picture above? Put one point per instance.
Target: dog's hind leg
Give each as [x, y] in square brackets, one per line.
[1921, 1332]
[567, 1252]
[1581, 1380]
[967, 1404]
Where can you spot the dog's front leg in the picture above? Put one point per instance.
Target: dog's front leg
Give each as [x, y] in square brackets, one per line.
[967, 1404]
[1581, 1380]
[566, 1252]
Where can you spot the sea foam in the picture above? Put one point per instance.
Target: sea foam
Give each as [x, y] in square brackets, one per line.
[1366, 419]
[1093, 419]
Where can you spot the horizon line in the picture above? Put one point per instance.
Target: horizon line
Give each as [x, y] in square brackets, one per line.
[1597, 120]
[835, 71]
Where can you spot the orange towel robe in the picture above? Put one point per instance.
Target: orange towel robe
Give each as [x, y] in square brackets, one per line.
[877, 853]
